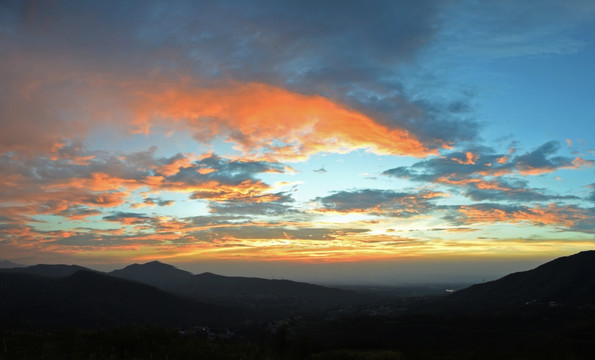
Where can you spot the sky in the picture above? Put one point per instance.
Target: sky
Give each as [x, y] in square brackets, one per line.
[329, 141]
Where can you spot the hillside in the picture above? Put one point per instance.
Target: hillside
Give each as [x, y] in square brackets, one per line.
[566, 280]
[91, 299]
[248, 292]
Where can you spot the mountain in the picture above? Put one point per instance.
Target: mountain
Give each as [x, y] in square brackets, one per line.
[163, 276]
[213, 285]
[47, 270]
[7, 264]
[237, 291]
[90, 299]
[566, 280]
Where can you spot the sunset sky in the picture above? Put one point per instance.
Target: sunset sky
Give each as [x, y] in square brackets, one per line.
[329, 140]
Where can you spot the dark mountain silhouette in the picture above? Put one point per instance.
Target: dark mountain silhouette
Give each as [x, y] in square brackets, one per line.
[239, 291]
[89, 299]
[163, 276]
[566, 280]
[499, 325]
[7, 264]
[209, 284]
[48, 270]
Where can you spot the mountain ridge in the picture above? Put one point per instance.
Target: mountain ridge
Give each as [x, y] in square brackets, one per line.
[564, 280]
[89, 298]
[7, 264]
[47, 270]
[242, 291]
[163, 276]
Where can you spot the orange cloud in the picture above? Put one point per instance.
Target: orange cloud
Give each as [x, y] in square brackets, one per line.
[248, 190]
[173, 167]
[470, 159]
[95, 182]
[491, 185]
[271, 123]
[566, 216]
[578, 162]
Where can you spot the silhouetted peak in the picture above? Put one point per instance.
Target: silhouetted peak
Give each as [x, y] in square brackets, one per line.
[153, 265]
[156, 263]
[209, 274]
[154, 273]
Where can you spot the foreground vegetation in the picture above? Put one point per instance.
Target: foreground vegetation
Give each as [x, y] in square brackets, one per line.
[541, 333]
[130, 342]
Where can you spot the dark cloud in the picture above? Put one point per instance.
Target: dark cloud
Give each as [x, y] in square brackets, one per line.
[591, 195]
[542, 160]
[349, 52]
[435, 123]
[78, 212]
[78, 182]
[330, 48]
[217, 179]
[483, 161]
[127, 217]
[282, 205]
[158, 202]
[379, 202]
[301, 40]
[482, 174]
[456, 165]
[220, 170]
[5, 219]
[259, 39]
[77, 164]
[213, 220]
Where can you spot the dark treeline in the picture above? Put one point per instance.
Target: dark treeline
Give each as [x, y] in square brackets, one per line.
[542, 333]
